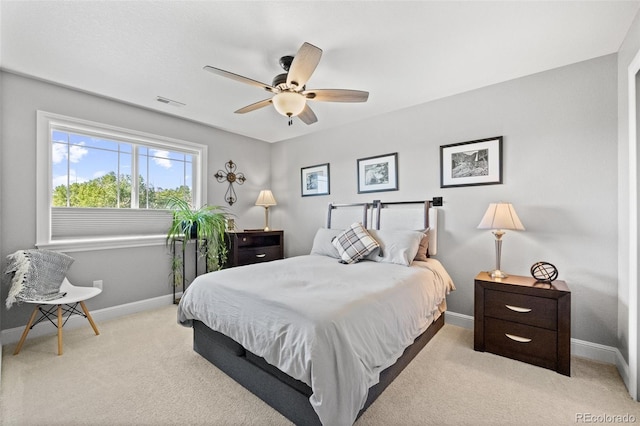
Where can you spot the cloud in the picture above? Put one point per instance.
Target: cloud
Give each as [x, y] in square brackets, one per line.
[161, 158]
[73, 178]
[75, 154]
[58, 153]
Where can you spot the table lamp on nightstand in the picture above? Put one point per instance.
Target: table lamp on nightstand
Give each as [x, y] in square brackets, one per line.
[266, 200]
[500, 216]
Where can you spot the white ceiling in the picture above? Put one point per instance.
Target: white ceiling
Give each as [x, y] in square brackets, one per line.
[403, 53]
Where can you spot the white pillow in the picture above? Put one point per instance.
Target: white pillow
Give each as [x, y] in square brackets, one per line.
[399, 247]
[322, 245]
[354, 243]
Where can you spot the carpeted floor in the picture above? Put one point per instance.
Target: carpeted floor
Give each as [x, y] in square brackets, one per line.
[141, 370]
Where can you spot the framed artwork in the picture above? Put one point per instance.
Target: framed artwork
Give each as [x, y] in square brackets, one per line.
[377, 174]
[315, 180]
[471, 163]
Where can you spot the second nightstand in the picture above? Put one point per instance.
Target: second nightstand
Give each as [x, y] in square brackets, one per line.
[254, 246]
[523, 319]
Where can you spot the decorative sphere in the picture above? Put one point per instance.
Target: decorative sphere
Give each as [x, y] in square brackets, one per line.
[544, 272]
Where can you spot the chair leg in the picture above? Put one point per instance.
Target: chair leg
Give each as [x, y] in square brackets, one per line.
[59, 329]
[26, 330]
[86, 312]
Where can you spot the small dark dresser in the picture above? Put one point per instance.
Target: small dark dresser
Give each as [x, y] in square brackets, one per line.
[520, 318]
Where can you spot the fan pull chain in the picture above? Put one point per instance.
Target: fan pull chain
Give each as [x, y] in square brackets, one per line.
[290, 121]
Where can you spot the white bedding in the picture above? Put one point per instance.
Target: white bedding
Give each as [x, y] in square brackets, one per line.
[332, 326]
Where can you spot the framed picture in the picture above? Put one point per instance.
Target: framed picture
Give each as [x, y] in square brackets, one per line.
[379, 173]
[471, 163]
[315, 180]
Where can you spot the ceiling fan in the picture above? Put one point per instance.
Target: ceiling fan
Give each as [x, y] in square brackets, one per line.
[290, 95]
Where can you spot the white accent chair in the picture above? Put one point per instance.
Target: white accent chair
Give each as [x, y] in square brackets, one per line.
[58, 308]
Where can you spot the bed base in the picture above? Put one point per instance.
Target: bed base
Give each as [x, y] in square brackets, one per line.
[288, 396]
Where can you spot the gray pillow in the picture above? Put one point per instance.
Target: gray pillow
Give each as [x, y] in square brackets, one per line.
[322, 243]
[37, 275]
[399, 247]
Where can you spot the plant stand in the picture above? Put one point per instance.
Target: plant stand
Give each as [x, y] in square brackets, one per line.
[182, 241]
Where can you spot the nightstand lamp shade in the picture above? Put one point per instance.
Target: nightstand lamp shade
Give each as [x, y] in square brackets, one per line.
[500, 216]
[266, 200]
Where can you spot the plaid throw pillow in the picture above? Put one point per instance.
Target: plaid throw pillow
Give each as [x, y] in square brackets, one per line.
[354, 243]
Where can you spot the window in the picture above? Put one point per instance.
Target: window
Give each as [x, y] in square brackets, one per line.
[100, 186]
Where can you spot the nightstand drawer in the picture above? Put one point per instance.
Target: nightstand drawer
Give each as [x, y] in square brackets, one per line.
[521, 308]
[522, 342]
[248, 255]
[250, 247]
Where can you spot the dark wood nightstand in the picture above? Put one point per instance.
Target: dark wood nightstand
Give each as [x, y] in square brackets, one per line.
[254, 247]
[520, 318]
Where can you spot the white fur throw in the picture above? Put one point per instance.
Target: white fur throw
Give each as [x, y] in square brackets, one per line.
[37, 275]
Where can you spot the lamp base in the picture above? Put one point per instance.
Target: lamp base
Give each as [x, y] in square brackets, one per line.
[497, 273]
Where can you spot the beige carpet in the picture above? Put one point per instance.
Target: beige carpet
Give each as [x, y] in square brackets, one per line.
[141, 370]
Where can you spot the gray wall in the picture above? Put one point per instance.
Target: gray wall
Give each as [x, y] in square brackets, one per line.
[560, 162]
[132, 274]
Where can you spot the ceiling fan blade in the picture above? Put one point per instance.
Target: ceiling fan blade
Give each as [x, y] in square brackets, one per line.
[303, 65]
[307, 115]
[239, 78]
[336, 95]
[253, 107]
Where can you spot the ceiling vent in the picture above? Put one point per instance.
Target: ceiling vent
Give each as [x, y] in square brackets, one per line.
[169, 101]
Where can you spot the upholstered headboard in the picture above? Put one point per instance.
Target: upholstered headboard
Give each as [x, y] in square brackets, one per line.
[408, 215]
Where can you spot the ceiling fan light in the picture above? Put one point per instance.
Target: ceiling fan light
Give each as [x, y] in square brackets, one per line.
[289, 104]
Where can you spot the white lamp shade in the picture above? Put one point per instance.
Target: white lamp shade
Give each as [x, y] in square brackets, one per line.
[266, 198]
[501, 216]
[289, 103]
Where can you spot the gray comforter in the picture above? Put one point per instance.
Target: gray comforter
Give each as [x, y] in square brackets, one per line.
[332, 326]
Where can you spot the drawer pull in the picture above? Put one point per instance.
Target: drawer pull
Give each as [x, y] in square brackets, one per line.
[517, 338]
[261, 255]
[518, 309]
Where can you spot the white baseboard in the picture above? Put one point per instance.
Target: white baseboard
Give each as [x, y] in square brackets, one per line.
[623, 368]
[12, 335]
[461, 320]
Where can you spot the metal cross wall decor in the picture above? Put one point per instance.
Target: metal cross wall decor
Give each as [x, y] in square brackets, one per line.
[232, 177]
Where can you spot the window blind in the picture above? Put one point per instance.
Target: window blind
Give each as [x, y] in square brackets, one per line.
[86, 223]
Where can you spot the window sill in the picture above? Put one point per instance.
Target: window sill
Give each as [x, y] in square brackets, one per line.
[103, 243]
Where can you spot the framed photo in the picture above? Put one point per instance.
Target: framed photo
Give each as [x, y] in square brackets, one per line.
[471, 163]
[315, 180]
[377, 174]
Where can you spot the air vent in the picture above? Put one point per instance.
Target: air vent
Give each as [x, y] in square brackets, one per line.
[169, 101]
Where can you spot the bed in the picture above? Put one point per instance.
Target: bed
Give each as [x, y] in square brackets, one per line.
[318, 337]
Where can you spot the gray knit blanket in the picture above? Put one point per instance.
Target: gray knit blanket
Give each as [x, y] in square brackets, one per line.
[36, 275]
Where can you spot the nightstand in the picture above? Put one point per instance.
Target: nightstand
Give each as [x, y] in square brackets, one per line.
[250, 247]
[523, 319]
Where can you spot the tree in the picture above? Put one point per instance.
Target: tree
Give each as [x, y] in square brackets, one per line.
[106, 190]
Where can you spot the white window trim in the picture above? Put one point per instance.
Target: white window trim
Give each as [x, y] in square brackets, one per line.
[47, 120]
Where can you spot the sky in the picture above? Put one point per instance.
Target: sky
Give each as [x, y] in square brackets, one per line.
[84, 158]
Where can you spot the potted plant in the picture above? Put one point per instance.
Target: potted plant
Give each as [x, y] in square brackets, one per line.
[206, 225]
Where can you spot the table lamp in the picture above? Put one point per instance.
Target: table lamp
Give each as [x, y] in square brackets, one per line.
[266, 200]
[500, 216]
